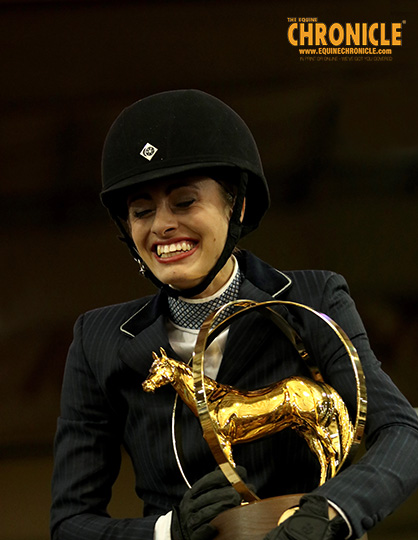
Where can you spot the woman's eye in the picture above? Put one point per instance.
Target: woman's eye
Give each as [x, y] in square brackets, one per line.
[139, 214]
[185, 204]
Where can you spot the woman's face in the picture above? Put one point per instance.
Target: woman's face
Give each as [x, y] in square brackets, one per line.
[179, 228]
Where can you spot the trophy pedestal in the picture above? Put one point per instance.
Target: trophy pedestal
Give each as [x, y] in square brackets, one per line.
[254, 520]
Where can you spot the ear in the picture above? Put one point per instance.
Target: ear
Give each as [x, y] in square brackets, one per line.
[243, 210]
[231, 209]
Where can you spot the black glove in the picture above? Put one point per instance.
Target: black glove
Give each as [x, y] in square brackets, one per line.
[310, 522]
[207, 498]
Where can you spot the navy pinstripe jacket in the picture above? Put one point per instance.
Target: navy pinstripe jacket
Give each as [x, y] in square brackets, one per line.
[103, 407]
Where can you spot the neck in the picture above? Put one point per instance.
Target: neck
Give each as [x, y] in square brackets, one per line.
[221, 278]
[191, 312]
[218, 283]
[184, 385]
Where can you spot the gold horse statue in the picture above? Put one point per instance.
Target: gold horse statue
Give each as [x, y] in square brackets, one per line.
[313, 409]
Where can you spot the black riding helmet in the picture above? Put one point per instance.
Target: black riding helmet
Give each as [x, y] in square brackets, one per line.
[183, 132]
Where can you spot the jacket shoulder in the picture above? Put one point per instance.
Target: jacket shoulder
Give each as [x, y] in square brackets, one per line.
[101, 327]
[315, 286]
[116, 312]
[312, 277]
[279, 282]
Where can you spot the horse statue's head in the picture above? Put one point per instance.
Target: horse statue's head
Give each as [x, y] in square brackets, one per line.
[160, 373]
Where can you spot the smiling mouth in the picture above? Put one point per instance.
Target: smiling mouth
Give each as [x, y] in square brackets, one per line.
[171, 250]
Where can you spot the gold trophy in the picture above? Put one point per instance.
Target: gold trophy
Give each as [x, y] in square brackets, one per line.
[229, 416]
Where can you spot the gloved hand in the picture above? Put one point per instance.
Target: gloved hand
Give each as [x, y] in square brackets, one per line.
[208, 497]
[310, 522]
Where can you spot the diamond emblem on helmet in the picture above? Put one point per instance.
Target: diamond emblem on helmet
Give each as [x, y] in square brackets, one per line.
[149, 151]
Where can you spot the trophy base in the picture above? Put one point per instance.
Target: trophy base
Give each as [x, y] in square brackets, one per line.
[254, 520]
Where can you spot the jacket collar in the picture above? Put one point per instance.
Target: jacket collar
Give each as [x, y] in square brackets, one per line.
[261, 283]
[147, 328]
[151, 308]
[147, 325]
[262, 276]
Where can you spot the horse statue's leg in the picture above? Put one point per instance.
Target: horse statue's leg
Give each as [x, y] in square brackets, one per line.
[226, 445]
[227, 448]
[316, 446]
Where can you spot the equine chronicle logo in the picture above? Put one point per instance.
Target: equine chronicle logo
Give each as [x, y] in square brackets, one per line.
[318, 41]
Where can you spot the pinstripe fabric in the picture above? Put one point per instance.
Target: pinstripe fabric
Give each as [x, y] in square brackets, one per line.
[103, 406]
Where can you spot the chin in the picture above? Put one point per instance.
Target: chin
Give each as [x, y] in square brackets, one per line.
[183, 284]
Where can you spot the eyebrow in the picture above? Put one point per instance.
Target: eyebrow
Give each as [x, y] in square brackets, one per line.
[169, 189]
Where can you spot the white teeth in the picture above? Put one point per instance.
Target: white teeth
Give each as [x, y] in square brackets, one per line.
[169, 249]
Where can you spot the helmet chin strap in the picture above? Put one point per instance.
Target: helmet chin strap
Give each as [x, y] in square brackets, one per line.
[233, 235]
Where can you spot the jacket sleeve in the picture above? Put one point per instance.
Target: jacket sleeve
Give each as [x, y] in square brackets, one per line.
[87, 458]
[387, 474]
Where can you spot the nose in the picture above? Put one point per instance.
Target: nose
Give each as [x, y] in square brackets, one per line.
[164, 221]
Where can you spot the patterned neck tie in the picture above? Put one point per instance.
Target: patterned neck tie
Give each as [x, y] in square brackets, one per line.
[191, 315]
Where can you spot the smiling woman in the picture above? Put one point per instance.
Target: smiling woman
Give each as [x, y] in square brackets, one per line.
[183, 181]
[196, 135]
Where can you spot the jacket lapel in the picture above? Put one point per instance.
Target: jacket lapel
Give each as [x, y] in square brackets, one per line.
[247, 334]
[147, 330]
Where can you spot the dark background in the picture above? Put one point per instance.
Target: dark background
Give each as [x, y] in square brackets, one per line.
[339, 145]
